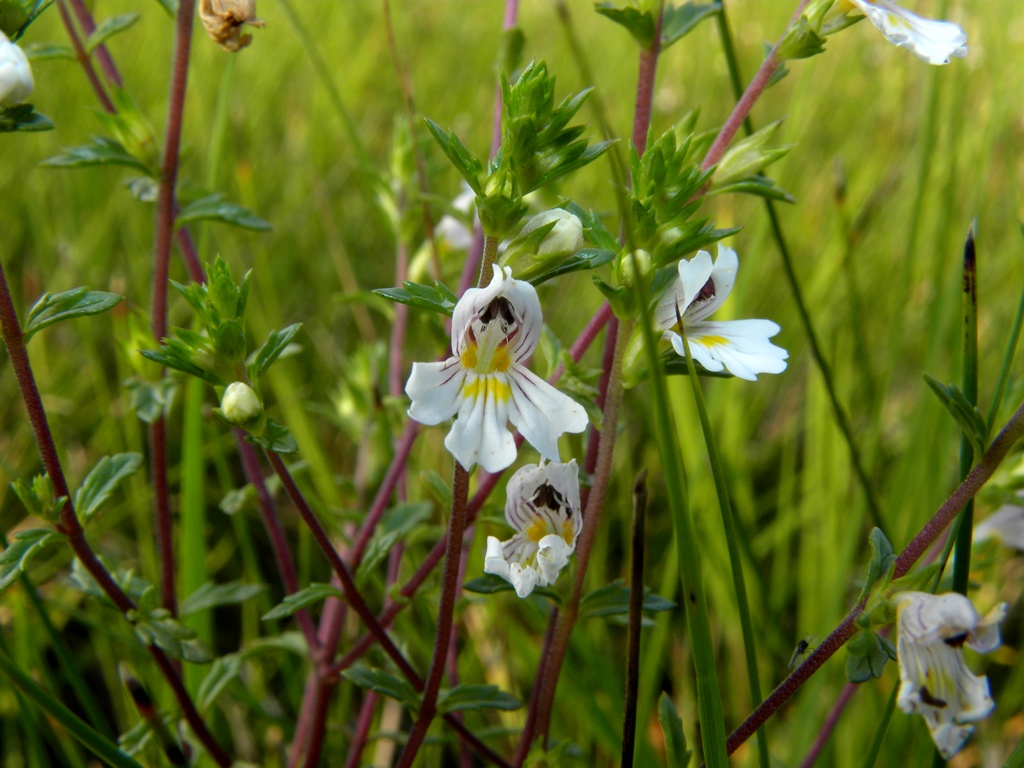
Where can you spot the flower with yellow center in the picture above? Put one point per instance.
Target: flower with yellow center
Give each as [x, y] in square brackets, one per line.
[934, 679]
[494, 332]
[937, 42]
[738, 346]
[542, 503]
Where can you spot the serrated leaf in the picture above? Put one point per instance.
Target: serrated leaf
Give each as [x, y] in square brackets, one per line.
[640, 24]
[210, 595]
[102, 481]
[215, 208]
[437, 299]
[489, 584]
[314, 593]
[613, 600]
[383, 682]
[672, 729]
[272, 349]
[679, 22]
[275, 438]
[476, 697]
[48, 51]
[56, 307]
[102, 151]
[38, 496]
[222, 672]
[587, 258]
[23, 546]
[109, 27]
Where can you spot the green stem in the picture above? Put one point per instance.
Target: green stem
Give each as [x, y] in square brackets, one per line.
[1004, 371]
[969, 329]
[72, 723]
[732, 541]
[636, 602]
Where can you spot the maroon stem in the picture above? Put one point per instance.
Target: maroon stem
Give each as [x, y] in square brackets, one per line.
[88, 27]
[530, 726]
[162, 512]
[363, 724]
[68, 523]
[829, 725]
[445, 611]
[83, 58]
[964, 492]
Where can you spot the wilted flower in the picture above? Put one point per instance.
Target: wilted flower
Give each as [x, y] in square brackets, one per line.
[936, 42]
[223, 20]
[934, 679]
[566, 236]
[543, 504]
[16, 82]
[739, 346]
[1006, 524]
[494, 332]
[240, 406]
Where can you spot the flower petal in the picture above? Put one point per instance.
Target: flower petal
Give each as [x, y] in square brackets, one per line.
[541, 412]
[494, 560]
[552, 557]
[434, 390]
[739, 346]
[523, 579]
[936, 42]
[1006, 523]
[479, 435]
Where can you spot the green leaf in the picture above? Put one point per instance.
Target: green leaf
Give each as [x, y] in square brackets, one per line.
[275, 438]
[157, 627]
[613, 600]
[23, 547]
[222, 672]
[271, 350]
[383, 682]
[867, 653]
[102, 151]
[151, 399]
[109, 27]
[38, 497]
[55, 307]
[758, 186]
[967, 416]
[102, 481]
[464, 161]
[475, 697]
[672, 729]
[395, 525]
[211, 595]
[296, 601]
[640, 24]
[882, 556]
[48, 51]
[22, 117]
[679, 22]
[437, 299]
[587, 258]
[215, 208]
[489, 584]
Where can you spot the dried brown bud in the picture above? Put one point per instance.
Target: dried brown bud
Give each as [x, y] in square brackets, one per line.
[223, 20]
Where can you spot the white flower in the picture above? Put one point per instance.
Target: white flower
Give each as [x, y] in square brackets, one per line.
[1006, 523]
[543, 504]
[16, 82]
[566, 236]
[239, 405]
[739, 346]
[494, 332]
[934, 679]
[936, 42]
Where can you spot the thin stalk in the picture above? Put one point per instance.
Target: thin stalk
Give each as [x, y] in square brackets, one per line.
[1004, 370]
[161, 259]
[636, 603]
[1016, 758]
[946, 513]
[883, 725]
[362, 731]
[732, 542]
[969, 387]
[83, 58]
[68, 523]
[449, 584]
[192, 517]
[828, 726]
[88, 27]
[874, 507]
[68, 720]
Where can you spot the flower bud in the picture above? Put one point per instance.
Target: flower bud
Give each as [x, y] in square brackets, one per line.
[633, 264]
[16, 82]
[566, 236]
[240, 406]
[223, 20]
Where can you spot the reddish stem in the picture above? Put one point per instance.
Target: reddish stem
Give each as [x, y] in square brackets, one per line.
[83, 58]
[88, 27]
[829, 725]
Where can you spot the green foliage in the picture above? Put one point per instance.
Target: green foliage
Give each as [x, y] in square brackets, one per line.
[672, 730]
[489, 584]
[101, 151]
[801, 41]
[23, 117]
[967, 416]
[216, 208]
[304, 598]
[108, 28]
[276, 437]
[680, 20]
[584, 259]
[211, 595]
[24, 546]
[38, 497]
[437, 299]
[746, 158]
[102, 481]
[639, 22]
[866, 655]
[395, 526]
[612, 601]
[151, 400]
[384, 683]
[463, 698]
[154, 625]
[267, 354]
[67, 305]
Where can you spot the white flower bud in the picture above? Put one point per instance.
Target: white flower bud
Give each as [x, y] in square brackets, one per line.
[632, 265]
[16, 82]
[565, 237]
[240, 406]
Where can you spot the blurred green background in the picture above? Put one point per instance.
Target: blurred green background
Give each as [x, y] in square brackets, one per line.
[876, 234]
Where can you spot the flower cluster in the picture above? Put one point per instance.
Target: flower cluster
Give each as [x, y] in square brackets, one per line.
[934, 679]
